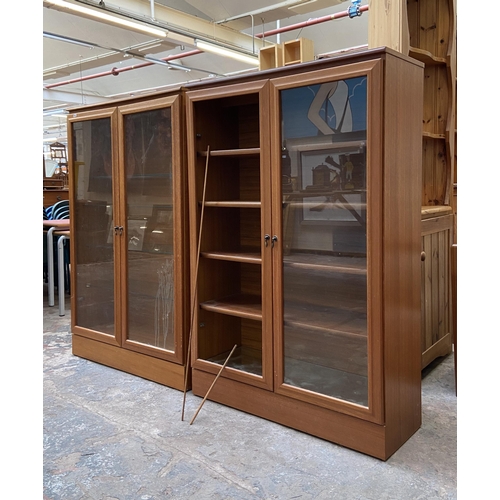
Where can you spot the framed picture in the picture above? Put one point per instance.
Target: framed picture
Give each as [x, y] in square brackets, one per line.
[136, 229]
[333, 184]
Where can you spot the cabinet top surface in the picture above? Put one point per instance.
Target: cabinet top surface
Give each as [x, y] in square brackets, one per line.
[146, 97]
[348, 57]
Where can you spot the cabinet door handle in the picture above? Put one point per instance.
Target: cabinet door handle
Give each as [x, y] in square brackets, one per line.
[266, 239]
[118, 230]
[274, 239]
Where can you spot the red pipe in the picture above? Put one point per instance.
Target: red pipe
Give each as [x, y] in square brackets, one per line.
[116, 71]
[310, 22]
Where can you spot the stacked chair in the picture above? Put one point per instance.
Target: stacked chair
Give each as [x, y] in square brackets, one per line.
[58, 211]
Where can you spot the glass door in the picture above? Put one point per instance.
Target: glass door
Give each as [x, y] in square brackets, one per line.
[152, 222]
[129, 223]
[92, 224]
[322, 215]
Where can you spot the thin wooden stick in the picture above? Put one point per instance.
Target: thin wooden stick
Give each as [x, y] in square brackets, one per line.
[193, 299]
[213, 383]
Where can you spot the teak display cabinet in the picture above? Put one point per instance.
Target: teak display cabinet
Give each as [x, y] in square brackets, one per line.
[302, 192]
[128, 236]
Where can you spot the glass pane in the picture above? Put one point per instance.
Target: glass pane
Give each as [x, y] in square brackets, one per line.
[324, 235]
[150, 229]
[93, 213]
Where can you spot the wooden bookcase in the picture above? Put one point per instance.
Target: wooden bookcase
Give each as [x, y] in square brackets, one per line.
[285, 54]
[130, 278]
[298, 51]
[426, 30]
[271, 57]
[310, 246]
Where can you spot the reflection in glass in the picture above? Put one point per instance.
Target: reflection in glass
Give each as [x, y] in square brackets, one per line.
[93, 214]
[148, 166]
[324, 235]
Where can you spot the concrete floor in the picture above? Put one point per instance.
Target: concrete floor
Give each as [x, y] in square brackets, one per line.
[110, 435]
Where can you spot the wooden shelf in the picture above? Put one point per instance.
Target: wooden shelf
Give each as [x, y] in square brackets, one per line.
[298, 51]
[426, 57]
[338, 203]
[247, 257]
[233, 204]
[327, 327]
[434, 136]
[347, 265]
[232, 152]
[243, 306]
[434, 211]
[243, 359]
[333, 320]
[271, 57]
[307, 318]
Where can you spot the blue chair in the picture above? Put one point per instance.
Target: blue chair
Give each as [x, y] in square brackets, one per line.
[60, 213]
[60, 210]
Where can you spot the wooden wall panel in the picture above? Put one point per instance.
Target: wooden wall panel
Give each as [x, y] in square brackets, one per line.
[434, 172]
[429, 25]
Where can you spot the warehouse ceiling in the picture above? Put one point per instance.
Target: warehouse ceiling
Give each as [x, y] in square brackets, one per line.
[88, 60]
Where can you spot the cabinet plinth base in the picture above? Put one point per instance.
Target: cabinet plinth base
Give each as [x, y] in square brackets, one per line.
[440, 348]
[154, 369]
[360, 435]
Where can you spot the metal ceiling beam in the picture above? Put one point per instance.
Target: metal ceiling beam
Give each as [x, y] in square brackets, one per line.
[181, 28]
[71, 97]
[110, 56]
[127, 52]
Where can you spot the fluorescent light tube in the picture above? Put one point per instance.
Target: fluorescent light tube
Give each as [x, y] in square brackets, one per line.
[54, 112]
[216, 49]
[108, 17]
[295, 6]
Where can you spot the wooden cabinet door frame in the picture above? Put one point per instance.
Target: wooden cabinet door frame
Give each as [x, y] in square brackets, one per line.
[180, 281]
[110, 113]
[260, 87]
[119, 339]
[373, 71]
